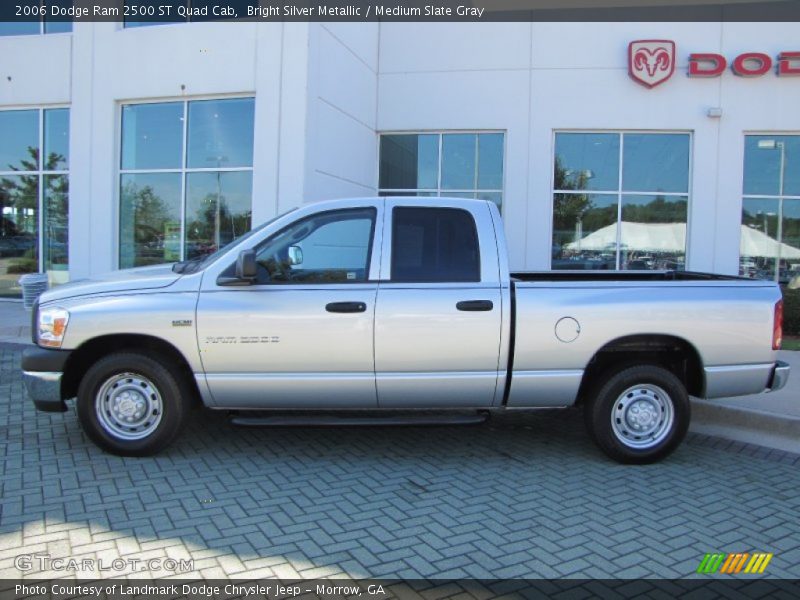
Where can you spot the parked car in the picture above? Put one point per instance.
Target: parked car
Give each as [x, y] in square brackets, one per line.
[397, 311]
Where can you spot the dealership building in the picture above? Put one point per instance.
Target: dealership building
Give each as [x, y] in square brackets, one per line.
[606, 145]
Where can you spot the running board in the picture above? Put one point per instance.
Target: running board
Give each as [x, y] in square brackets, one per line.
[354, 420]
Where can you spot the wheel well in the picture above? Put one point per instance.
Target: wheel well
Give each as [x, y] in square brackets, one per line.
[83, 357]
[672, 353]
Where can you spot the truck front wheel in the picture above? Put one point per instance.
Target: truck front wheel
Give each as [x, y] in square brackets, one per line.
[132, 405]
[638, 414]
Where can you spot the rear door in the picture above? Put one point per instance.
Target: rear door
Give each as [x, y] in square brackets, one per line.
[438, 313]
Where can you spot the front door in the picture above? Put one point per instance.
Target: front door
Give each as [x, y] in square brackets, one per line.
[302, 335]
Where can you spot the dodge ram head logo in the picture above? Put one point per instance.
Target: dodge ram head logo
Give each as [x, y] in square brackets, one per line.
[651, 62]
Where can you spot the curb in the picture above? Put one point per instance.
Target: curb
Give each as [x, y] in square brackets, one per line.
[771, 430]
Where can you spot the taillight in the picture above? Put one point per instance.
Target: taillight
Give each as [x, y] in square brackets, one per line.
[777, 326]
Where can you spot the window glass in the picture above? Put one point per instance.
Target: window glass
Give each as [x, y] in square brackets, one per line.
[218, 210]
[152, 136]
[587, 161]
[584, 231]
[653, 232]
[762, 165]
[459, 154]
[434, 245]
[57, 26]
[409, 162]
[56, 139]
[56, 223]
[469, 165]
[19, 142]
[490, 161]
[216, 173]
[657, 162]
[150, 219]
[19, 229]
[19, 28]
[329, 247]
[609, 229]
[221, 133]
[769, 246]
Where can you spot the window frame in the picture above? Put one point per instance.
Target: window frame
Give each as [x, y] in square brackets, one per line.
[779, 197]
[438, 191]
[620, 192]
[41, 174]
[374, 216]
[183, 170]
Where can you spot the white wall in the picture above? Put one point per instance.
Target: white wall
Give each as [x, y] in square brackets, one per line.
[342, 95]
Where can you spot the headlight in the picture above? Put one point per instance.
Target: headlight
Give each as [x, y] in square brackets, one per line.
[52, 326]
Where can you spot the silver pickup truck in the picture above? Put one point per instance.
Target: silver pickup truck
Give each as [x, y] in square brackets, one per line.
[396, 311]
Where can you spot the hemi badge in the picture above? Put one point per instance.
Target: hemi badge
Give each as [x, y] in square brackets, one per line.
[182, 323]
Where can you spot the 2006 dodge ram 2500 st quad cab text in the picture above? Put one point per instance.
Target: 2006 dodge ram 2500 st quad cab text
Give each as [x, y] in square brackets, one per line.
[396, 311]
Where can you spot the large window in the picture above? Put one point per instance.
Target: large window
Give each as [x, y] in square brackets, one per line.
[620, 200]
[465, 165]
[770, 234]
[186, 178]
[34, 191]
[40, 19]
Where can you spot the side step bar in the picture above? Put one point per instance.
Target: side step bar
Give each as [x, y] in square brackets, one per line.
[351, 420]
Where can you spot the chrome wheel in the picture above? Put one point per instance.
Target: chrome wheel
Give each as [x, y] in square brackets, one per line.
[643, 416]
[129, 406]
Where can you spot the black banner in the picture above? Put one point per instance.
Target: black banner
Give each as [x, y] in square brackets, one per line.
[376, 589]
[176, 11]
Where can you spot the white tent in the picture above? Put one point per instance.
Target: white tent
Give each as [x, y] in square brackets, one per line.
[671, 237]
[757, 243]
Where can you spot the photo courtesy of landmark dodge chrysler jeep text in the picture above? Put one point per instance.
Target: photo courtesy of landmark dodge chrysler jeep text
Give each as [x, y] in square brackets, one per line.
[397, 311]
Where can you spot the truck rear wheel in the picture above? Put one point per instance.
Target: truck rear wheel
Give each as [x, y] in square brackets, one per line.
[638, 414]
[131, 404]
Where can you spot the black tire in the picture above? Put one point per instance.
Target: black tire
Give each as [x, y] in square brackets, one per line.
[161, 398]
[638, 414]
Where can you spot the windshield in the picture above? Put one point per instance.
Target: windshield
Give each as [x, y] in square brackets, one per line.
[195, 264]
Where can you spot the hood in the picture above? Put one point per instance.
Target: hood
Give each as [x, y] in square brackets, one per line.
[141, 278]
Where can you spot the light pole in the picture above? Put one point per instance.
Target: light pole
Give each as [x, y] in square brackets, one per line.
[217, 225]
[772, 145]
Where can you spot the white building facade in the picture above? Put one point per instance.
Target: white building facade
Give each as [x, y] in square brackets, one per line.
[124, 146]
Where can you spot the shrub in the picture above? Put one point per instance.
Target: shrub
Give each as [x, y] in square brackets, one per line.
[791, 311]
[21, 266]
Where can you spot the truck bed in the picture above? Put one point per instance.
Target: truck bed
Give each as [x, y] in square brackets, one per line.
[597, 275]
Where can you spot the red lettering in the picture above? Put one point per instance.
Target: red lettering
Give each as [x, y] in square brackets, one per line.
[785, 62]
[706, 65]
[743, 64]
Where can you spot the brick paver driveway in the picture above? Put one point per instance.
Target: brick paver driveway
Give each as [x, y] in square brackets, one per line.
[525, 498]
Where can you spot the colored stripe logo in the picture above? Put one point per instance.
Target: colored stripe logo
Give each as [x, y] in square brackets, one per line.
[734, 563]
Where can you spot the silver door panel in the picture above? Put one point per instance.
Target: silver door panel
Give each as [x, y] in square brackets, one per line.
[429, 390]
[290, 390]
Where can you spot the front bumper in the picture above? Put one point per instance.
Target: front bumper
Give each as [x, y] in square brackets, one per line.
[780, 375]
[42, 370]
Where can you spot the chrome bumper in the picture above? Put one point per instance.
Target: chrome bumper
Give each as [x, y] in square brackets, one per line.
[780, 375]
[44, 388]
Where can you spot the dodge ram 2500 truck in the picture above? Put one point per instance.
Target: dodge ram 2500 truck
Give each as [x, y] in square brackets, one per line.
[396, 311]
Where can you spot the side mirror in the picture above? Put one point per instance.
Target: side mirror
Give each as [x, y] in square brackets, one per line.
[246, 266]
[295, 255]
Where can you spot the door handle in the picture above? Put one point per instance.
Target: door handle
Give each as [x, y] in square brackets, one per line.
[475, 305]
[346, 307]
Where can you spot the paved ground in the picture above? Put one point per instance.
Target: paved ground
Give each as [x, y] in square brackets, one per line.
[524, 498]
